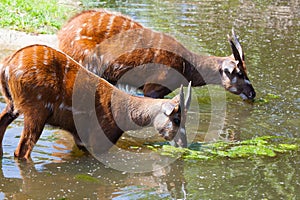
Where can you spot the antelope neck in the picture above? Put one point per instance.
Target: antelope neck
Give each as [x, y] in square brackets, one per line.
[204, 70]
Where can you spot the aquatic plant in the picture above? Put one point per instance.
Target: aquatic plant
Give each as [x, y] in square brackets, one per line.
[268, 146]
[86, 178]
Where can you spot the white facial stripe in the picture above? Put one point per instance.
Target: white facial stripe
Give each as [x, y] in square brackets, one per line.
[247, 81]
[244, 97]
[234, 80]
[233, 89]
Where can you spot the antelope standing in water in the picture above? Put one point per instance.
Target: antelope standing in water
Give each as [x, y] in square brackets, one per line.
[110, 45]
[49, 87]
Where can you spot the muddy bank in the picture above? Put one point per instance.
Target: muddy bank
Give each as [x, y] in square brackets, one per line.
[11, 40]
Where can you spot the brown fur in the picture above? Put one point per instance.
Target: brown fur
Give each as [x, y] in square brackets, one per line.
[42, 83]
[78, 48]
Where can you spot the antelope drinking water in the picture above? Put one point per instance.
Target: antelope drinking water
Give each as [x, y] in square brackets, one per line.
[49, 87]
[110, 45]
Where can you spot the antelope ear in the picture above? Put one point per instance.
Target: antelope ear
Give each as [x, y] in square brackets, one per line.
[181, 100]
[188, 97]
[168, 108]
[236, 49]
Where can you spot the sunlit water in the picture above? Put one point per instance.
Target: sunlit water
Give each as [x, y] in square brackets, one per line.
[269, 33]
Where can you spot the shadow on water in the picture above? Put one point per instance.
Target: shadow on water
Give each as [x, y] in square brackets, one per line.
[269, 33]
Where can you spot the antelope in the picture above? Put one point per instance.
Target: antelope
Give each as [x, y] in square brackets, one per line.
[48, 87]
[110, 45]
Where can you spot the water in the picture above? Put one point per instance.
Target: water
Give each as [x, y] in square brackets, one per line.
[269, 32]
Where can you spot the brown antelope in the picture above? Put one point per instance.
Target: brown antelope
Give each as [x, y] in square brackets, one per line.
[48, 87]
[110, 45]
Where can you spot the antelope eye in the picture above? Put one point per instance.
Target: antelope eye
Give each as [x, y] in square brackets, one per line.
[226, 71]
[240, 73]
[176, 121]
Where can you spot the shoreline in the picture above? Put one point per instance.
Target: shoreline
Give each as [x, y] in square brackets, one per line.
[12, 40]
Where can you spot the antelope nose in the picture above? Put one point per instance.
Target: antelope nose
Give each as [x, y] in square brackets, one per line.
[180, 138]
[252, 94]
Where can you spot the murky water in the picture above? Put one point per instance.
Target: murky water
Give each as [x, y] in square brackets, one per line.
[269, 32]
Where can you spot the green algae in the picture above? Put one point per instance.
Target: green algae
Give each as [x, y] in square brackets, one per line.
[267, 146]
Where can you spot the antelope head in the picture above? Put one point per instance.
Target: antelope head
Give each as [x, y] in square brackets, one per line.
[170, 123]
[234, 73]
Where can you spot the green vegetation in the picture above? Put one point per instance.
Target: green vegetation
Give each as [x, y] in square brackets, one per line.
[268, 97]
[86, 178]
[268, 146]
[35, 16]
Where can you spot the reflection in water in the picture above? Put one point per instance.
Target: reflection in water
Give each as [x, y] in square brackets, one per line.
[269, 33]
[61, 180]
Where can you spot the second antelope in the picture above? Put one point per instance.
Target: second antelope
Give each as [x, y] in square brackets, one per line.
[49, 87]
[111, 45]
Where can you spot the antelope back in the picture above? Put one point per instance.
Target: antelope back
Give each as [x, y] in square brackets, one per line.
[143, 58]
[84, 31]
[40, 76]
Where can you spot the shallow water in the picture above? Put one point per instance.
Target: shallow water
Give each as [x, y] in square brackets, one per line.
[269, 33]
